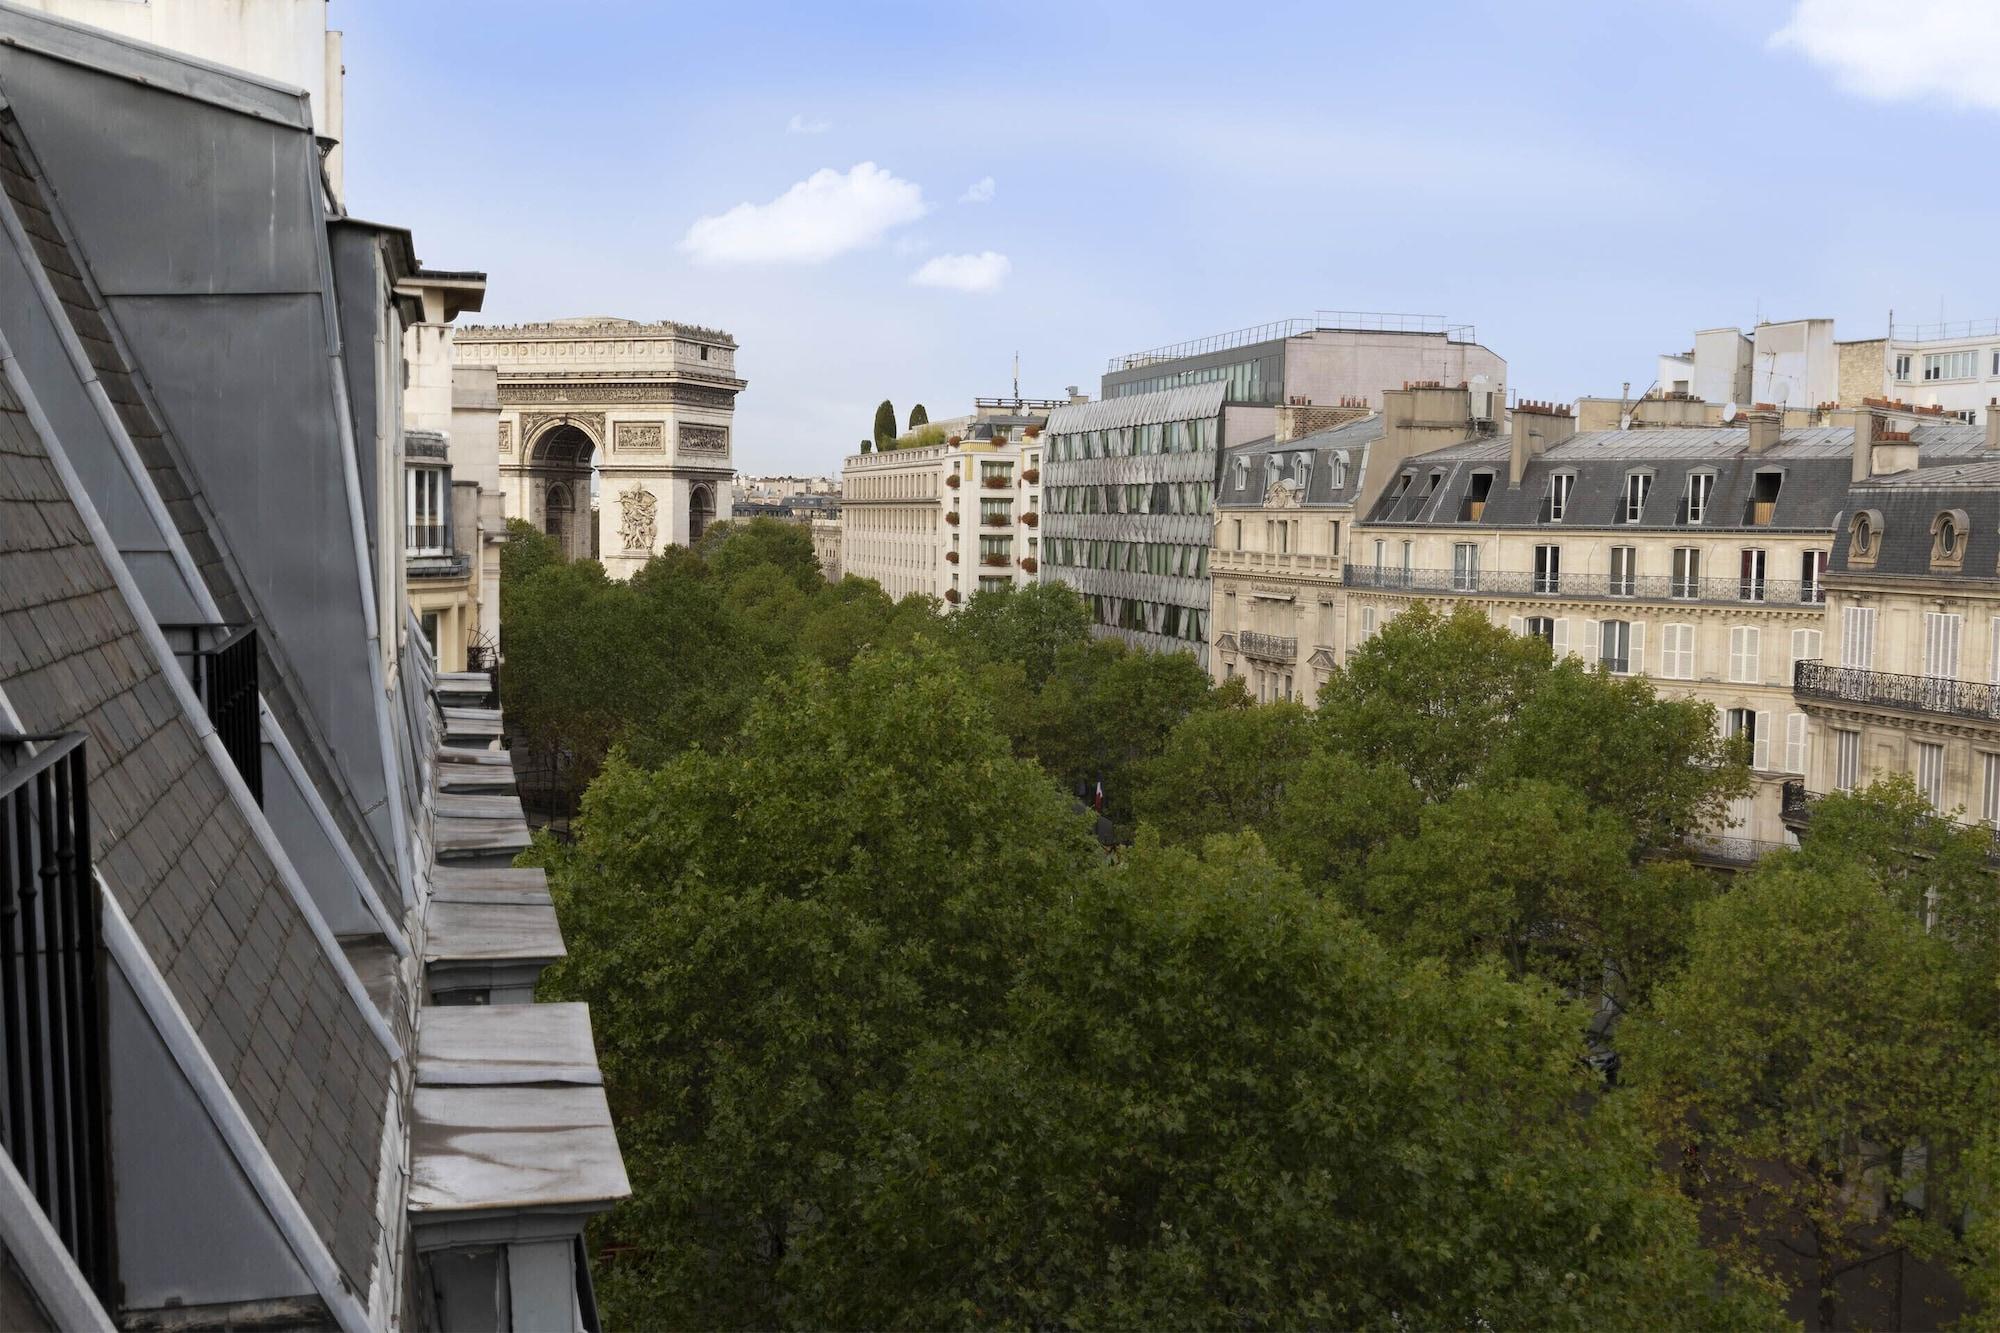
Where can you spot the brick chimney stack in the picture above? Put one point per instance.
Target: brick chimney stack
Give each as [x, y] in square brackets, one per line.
[1537, 425]
[1993, 423]
[1766, 426]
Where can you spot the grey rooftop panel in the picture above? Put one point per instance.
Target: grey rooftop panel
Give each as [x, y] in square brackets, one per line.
[462, 805]
[452, 884]
[490, 1149]
[492, 932]
[491, 1045]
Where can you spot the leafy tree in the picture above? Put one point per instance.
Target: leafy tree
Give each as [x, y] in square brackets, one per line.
[919, 437]
[1104, 708]
[1337, 812]
[767, 951]
[1815, 1059]
[1223, 770]
[733, 547]
[885, 423]
[918, 417]
[528, 550]
[1031, 626]
[867, 446]
[1431, 693]
[1217, 1103]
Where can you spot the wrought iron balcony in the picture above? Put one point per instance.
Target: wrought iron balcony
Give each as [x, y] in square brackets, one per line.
[996, 520]
[222, 661]
[1597, 587]
[1276, 647]
[450, 565]
[50, 967]
[426, 538]
[997, 483]
[1814, 679]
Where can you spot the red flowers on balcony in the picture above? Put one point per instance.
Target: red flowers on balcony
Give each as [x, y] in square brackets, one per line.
[995, 483]
[1030, 519]
[997, 561]
[1031, 475]
[951, 595]
[1028, 563]
[952, 481]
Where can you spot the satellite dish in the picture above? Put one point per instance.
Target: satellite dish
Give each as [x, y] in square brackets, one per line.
[1728, 413]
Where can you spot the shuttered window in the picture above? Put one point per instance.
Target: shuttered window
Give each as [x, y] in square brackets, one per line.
[1941, 635]
[1989, 808]
[1846, 760]
[1857, 637]
[1795, 743]
[1677, 653]
[1805, 648]
[1930, 773]
[1744, 652]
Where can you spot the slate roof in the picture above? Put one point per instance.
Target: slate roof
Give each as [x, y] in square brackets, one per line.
[182, 860]
[1813, 466]
[29, 195]
[1315, 460]
[1907, 503]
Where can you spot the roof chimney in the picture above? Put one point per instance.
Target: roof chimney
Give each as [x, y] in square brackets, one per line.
[1766, 427]
[1536, 426]
[1993, 423]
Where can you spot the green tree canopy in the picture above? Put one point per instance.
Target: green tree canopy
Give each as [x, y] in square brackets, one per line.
[1031, 626]
[1104, 708]
[1223, 770]
[885, 423]
[918, 416]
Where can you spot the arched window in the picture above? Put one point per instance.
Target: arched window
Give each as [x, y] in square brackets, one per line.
[1950, 531]
[701, 512]
[1864, 537]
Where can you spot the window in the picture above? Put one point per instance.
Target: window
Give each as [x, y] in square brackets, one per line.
[1677, 653]
[1476, 491]
[1284, 536]
[1750, 577]
[424, 492]
[1941, 636]
[1624, 567]
[1402, 486]
[1857, 637]
[1694, 503]
[1543, 628]
[1637, 486]
[430, 627]
[1686, 582]
[1864, 536]
[1333, 537]
[1745, 723]
[1949, 533]
[1996, 361]
[1548, 569]
[1795, 743]
[1744, 653]
[1555, 501]
[1812, 576]
[1930, 772]
[1381, 553]
[1989, 807]
[1763, 501]
[1408, 552]
[1903, 368]
[1367, 623]
[1615, 646]
[1805, 648]
[1239, 532]
[1846, 760]
[1465, 567]
[1950, 365]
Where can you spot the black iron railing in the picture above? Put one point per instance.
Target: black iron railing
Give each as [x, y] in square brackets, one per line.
[1795, 807]
[1275, 646]
[1814, 679]
[222, 662]
[51, 995]
[483, 654]
[1602, 587]
[1733, 851]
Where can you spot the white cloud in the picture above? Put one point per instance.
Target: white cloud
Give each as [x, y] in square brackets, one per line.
[983, 272]
[1898, 50]
[804, 125]
[978, 192]
[826, 214]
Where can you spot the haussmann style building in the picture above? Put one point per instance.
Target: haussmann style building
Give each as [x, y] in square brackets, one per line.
[267, 1051]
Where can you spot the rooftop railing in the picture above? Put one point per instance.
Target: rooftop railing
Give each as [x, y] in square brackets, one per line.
[1600, 587]
[1360, 321]
[1971, 328]
[1814, 679]
[222, 662]
[50, 989]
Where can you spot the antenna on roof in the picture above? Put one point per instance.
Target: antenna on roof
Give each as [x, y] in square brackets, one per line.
[1728, 412]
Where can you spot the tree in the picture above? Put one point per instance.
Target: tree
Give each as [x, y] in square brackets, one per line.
[919, 417]
[1222, 770]
[1104, 708]
[733, 547]
[885, 423]
[1815, 1059]
[527, 550]
[1337, 812]
[1431, 693]
[1031, 626]
[867, 446]
[769, 937]
[1218, 1103]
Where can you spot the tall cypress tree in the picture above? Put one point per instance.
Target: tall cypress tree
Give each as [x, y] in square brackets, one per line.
[885, 423]
[919, 417]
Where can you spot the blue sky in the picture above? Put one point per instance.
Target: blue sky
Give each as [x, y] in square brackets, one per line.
[1585, 182]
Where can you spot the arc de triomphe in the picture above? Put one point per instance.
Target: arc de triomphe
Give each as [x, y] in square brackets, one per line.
[648, 405]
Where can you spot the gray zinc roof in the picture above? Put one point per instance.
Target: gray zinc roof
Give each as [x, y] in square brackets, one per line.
[1187, 403]
[1314, 461]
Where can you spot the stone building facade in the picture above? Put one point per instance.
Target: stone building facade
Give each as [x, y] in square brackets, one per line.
[635, 416]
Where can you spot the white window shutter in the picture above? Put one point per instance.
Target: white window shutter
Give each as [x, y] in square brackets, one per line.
[1993, 654]
[1592, 647]
[1795, 743]
[1517, 625]
[1637, 648]
[1561, 644]
[1761, 759]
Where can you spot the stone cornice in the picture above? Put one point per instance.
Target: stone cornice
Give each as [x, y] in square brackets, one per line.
[584, 330]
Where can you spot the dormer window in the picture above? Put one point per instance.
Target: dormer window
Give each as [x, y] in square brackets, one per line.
[1476, 491]
[1694, 501]
[1950, 533]
[1763, 501]
[1402, 486]
[1431, 483]
[1555, 500]
[1638, 485]
[1864, 538]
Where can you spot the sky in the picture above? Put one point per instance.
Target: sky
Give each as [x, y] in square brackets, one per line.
[893, 199]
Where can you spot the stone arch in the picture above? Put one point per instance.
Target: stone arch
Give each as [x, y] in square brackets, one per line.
[560, 456]
[701, 510]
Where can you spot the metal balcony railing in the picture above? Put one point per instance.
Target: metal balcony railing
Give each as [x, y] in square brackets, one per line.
[1627, 587]
[426, 538]
[1795, 807]
[1814, 679]
[50, 988]
[1277, 647]
[996, 521]
[222, 661]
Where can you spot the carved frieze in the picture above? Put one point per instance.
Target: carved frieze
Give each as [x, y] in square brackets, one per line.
[638, 512]
[506, 437]
[617, 391]
[534, 423]
[697, 439]
[639, 437]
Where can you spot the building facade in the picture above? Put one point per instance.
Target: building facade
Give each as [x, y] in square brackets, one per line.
[1332, 356]
[948, 520]
[274, 1061]
[636, 417]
